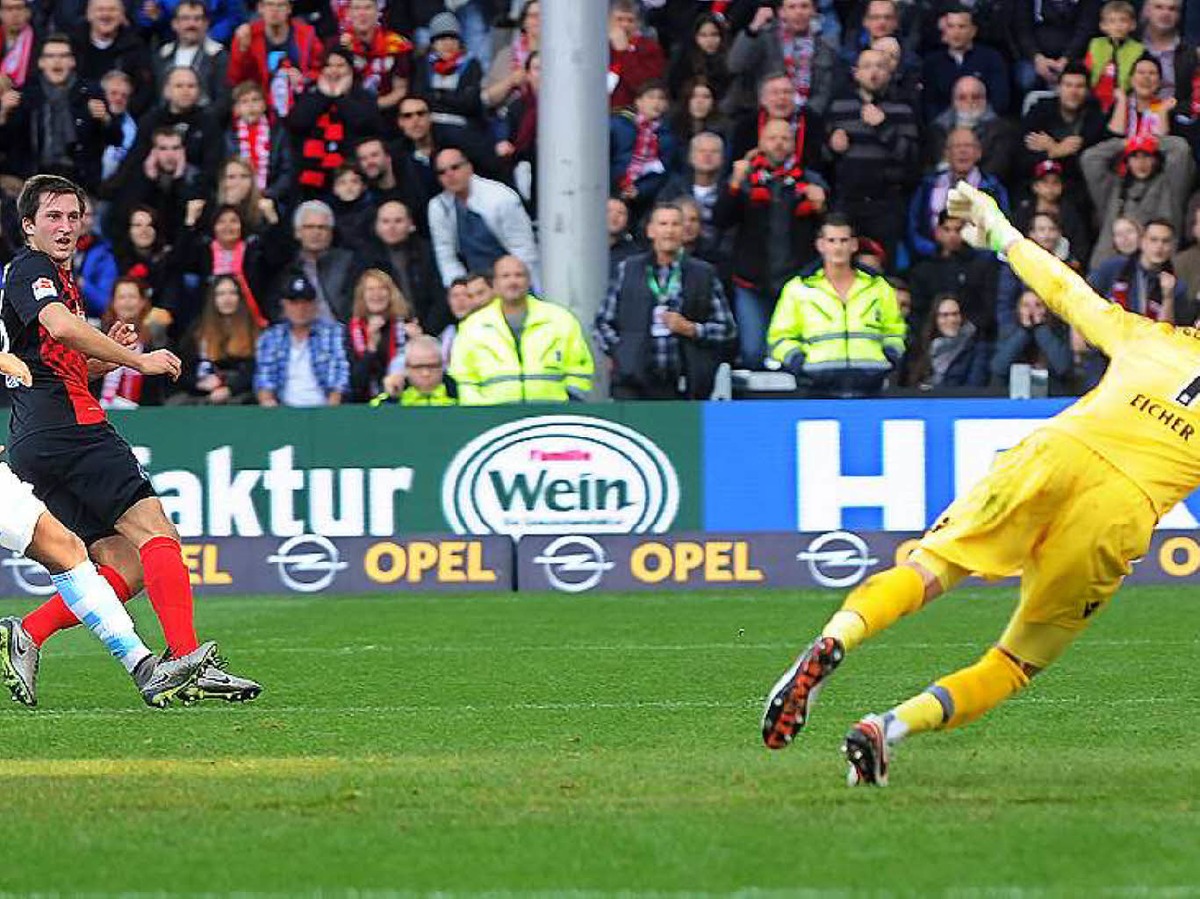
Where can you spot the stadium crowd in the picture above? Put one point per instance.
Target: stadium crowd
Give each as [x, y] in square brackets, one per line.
[325, 201]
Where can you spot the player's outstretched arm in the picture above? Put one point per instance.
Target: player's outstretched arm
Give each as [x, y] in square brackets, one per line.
[15, 368]
[1102, 324]
[72, 331]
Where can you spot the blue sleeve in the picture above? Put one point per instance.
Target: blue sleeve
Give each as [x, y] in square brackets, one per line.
[922, 246]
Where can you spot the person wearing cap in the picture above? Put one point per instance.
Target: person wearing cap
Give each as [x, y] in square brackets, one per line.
[450, 80]
[1048, 194]
[277, 52]
[302, 360]
[519, 349]
[1143, 178]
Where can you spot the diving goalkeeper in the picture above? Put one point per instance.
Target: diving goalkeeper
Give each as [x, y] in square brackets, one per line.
[1068, 509]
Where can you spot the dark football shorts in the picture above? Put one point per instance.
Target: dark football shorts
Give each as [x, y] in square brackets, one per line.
[86, 475]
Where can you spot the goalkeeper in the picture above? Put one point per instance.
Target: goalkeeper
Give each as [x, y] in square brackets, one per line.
[1068, 509]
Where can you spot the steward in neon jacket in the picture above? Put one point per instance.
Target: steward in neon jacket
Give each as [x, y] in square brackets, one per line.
[518, 348]
[841, 340]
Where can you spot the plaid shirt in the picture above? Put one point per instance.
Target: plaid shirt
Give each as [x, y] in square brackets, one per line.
[719, 327]
[326, 344]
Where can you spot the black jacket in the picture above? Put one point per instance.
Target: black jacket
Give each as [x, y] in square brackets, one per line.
[420, 274]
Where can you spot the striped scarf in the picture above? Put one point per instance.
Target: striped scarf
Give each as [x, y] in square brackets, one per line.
[645, 149]
[254, 146]
[16, 58]
[798, 52]
[789, 173]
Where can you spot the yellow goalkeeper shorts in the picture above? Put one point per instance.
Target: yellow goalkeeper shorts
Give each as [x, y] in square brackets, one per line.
[1065, 520]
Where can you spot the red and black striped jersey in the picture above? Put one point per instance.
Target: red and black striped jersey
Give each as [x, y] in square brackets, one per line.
[59, 396]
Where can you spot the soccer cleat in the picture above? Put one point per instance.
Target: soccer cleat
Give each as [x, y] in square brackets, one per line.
[18, 661]
[792, 697]
[866, 750]
[162, 680]
[215, 682]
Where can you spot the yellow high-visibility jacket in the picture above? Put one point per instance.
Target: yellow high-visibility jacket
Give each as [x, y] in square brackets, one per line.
[551, 361]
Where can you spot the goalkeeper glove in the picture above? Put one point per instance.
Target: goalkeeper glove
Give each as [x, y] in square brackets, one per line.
[986, 225]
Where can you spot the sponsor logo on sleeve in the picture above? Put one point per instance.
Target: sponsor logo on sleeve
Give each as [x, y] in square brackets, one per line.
[43, 288]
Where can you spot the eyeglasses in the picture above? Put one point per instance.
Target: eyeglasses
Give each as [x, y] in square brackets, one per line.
[415, 114]
[424, 366]
[452, 167]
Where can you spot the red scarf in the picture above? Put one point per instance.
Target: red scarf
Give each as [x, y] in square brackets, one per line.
[447, 65]
[322, 150]
[645, 149]
[1106, 85]
[763, 174]
[360, 341]
[381, 59]
[254, 146]
[233, 263]
[122, 383]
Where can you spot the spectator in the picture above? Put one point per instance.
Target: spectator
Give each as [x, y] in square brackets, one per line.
[665, 322]
[117, 88]
[777, 100]
[396, 248]
[217, 354]
[182, 113]
[776, 205]
[106, 42]
[951, 352]
[236, 186]
[1060, 128]
[141, 254]
[510, 65]
[1044, 229]
[301, 361]
[969, 108]
[193, 48]
[1111, 55]
[450, 81]
[1126, 235]
[413, 155]
[957, 269]
[963, 152]
[424, 380]
[1048, 196]
[127, 388]
[278, 53]
[326, 269]
[263, 144]
[382, 59]
[17, 44]
[475, 221]
[960, 56]
[872, 145]
[1186, 263]
[693, 239]
[461, 301]
[1176, 56]
[516, 133]
[55, 125]
[381, 325]
[1050, 33]
[1039, 340]
[700, 181]
[642, 149]
[880, 19]
[1145, 282]
[787, 42]
[858, 306]
[353, 210]
[621, 244]
[518, 348]
[904, 71]
[325, 118]
[225, 248]
[696, 111]
[633, 57]
[376, 165]
[1141, 110]
[703, 59]
[94, 266]
[1142, 178]
[164, 181]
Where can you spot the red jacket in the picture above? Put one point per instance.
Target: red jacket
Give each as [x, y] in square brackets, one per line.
[642, 61]
[251, 65]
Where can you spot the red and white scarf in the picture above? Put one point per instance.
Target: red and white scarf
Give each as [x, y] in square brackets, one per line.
[254, 146]
[16, 58]
[122, 386]
[645, 150]
[798, 51]
[360, 342]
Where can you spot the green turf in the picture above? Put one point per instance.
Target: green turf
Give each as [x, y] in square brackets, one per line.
[603, 745]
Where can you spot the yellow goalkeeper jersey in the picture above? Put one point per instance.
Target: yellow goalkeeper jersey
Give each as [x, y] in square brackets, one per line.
[1144, 415]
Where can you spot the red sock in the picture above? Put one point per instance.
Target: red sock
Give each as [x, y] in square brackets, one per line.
[53, 615]
[170, 593]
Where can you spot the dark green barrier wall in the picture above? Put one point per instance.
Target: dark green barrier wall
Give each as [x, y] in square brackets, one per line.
[356, 471]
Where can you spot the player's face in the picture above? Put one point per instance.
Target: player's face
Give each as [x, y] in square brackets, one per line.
[56, 226]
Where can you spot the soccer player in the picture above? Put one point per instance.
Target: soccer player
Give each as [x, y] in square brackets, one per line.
[28, 528]
[1069, 508]
[63, 446]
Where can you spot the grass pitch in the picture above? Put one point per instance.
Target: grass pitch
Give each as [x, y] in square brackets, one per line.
[603, 745]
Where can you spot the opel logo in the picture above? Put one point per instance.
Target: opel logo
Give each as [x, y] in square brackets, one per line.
[837, 559]
[574, 564]
[307, 563]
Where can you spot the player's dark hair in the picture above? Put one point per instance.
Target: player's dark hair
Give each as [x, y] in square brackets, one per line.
[39, 186]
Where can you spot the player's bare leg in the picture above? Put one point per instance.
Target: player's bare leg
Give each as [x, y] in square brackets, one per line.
[873, 606]
[145, 525]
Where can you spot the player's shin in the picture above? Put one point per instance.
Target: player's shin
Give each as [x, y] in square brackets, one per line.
[876, 604]
[53, 615]
[170, 592]
[969, 693]
[91, 600]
